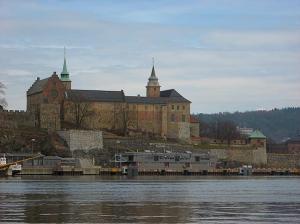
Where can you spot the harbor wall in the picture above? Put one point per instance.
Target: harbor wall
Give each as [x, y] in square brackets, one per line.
[253, 156]
[283, 160]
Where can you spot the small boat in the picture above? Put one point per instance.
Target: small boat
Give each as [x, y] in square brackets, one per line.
[16, 169]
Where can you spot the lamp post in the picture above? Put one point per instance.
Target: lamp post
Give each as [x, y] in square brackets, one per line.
[32, 141]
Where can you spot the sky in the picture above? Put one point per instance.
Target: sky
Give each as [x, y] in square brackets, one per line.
[223, 55]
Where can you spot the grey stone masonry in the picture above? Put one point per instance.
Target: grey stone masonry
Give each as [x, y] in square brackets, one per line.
[82, 139]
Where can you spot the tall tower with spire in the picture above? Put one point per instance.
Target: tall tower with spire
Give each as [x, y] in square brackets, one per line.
[64, 75]
[153, 87]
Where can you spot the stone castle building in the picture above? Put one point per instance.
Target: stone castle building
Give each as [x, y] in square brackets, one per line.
[160, 113]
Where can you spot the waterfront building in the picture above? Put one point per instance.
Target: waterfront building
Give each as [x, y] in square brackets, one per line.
[166, 161]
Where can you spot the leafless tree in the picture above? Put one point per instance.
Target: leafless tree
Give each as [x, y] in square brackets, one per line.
[223, 130]
[80, 111]
[3, 102]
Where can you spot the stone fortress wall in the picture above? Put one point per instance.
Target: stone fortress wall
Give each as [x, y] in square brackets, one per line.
[283, 160]
[16, 119]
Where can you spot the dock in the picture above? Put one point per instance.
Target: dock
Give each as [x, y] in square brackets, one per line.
[72, 171]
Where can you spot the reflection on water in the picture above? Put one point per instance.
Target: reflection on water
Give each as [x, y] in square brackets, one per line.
[150, 200]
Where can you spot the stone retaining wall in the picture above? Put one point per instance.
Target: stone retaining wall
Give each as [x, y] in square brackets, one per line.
[82, 139]
[283, 160]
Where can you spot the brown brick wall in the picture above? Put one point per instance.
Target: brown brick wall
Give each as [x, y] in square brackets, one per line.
[100, 115]
[153, 91]
[178, 113]
[50, 116]
[145, 118]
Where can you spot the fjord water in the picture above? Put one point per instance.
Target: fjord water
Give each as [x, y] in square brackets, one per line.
[94, 199]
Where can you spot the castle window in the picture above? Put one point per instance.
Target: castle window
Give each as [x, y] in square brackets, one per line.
[173, 107]
[183, 118]
[146, 107]
[183, 107]
[173, 117]
[154, 88]
[177, 107]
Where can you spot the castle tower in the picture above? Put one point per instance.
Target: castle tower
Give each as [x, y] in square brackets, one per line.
[64, 75]
[153, 87]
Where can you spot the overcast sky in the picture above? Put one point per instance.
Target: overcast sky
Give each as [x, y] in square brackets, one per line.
[223, 55]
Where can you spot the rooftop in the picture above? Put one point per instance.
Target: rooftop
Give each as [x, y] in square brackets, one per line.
[37, 86]
[166, 96]
[95, 95]
[257, 134]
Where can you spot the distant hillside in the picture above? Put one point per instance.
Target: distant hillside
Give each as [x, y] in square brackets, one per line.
[277, 124]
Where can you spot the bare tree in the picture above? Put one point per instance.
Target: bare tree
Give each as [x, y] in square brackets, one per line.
[223, 130]
[3, 102]
[80, 111]
[76, 108]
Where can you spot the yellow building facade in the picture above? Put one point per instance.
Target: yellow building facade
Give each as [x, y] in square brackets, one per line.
[160, 113]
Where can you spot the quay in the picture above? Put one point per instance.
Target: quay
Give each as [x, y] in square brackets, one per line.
[117, 171]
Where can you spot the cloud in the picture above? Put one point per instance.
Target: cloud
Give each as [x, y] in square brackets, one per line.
[219, 54]
[254, 39]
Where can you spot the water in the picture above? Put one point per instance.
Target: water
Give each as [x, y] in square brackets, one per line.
[95, 199]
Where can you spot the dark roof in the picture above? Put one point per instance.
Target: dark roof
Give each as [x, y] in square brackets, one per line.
[146, 100]
[173, 96]
[95, 95]
[37, 86]
[165, 97]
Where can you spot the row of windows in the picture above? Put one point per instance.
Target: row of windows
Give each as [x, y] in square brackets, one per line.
[178, 107]
[173, 118]
[157, 107]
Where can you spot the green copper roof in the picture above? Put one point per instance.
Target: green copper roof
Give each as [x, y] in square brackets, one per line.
[65, 70]
[257, 134]
[64, 75]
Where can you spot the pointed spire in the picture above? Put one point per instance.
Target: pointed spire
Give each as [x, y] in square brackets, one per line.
[64, 75]
[65, 70]
[153, 80]
[153, 73]
[153, 70]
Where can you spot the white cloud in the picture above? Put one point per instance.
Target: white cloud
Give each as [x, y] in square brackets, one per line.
[252, 39]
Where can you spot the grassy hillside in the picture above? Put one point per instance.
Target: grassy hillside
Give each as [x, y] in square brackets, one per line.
[277, 124]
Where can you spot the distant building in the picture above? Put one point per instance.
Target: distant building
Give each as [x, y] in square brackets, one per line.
[259, 141]
[160, 113]
[293, 145]
[245, 131]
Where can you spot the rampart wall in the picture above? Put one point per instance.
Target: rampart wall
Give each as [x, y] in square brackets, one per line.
[16, 118]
